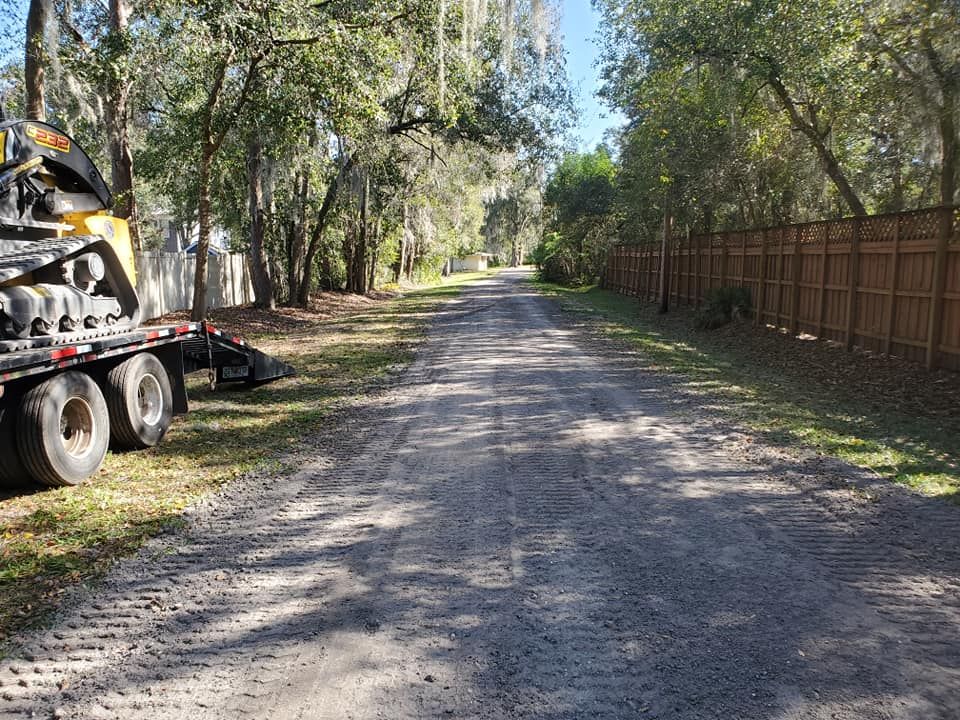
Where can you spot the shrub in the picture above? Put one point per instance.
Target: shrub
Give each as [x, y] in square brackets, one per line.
[723, 305]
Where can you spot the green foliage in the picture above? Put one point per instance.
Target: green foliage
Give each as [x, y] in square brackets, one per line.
[722, 305]
[416, 100]
[579, 198]
[767, 112]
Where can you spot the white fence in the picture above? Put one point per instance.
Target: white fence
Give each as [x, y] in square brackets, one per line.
[165, 282]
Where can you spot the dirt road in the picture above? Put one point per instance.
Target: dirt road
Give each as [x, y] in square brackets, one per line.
[522, 528]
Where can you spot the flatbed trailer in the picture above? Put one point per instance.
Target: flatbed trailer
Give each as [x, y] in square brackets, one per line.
[62, 405]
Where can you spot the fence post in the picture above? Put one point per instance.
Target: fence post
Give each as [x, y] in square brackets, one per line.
[696, 276]
[795, 290]
[762, 290]
[679, 277]
[642, 278]
[161, 295]
[780, 281]
[743, 258]
[895, 268]
[723, 262]
[824, 259]
[852, 289]
[935, 326]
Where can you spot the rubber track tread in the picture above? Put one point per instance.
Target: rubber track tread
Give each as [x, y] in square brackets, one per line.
[34, 343]
[41, 253]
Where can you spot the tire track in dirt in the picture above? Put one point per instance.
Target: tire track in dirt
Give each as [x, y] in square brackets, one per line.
[524, 527]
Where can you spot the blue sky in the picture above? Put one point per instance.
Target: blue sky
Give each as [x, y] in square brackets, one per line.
[579, 25]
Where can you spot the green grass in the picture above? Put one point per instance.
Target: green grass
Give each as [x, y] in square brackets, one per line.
[786, 400]
[52, 539]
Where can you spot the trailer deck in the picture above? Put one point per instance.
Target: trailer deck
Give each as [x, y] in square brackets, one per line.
[204, 347]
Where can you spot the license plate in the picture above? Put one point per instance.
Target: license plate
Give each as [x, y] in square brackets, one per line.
[235, 371]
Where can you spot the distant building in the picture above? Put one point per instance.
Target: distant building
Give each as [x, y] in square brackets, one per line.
[477, 262]
[182, 237]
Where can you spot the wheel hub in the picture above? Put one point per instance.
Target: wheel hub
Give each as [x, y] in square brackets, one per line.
[150, 399]
[76, 427]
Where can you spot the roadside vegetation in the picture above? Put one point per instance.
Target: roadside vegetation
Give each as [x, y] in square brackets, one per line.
[883, 414]
[342, 145]
[51, 540]
[758, 114]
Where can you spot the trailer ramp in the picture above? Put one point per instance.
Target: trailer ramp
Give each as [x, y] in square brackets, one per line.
[230, 359]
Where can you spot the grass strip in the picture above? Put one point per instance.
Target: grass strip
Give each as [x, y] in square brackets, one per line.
[796, 393]
[53, 539]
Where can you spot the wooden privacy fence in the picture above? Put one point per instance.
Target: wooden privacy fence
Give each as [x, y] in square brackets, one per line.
[165, 281]
[884, 283]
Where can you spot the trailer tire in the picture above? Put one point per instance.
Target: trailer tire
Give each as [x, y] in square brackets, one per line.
[63, 429]
[13, 474]
[140, 402]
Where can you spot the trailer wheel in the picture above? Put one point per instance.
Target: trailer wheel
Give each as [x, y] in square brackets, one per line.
[12, 472]
[140, 402]
[63, 429]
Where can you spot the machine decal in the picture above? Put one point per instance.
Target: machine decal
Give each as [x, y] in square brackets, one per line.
[48, 138]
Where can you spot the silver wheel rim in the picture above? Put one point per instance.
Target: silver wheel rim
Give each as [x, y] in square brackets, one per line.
[149, 400]
[77, 427]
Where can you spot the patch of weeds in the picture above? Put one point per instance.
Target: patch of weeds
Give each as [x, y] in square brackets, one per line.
[724, 305]
[885, 415]
[52, 539]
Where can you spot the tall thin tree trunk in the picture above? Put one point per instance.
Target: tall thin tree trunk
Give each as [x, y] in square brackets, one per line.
[947, 74]
[403, 243]
[298, 241]
[199, 311]
[947, 122]
[259, 263]
[358, 271]
[411, 258]
[116, 106]
[36, 55]
[212, 143]
[665, 259]
[829, 161]
[374, 256]
[306, 281]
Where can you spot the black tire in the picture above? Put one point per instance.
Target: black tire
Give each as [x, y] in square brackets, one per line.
[63, 429]
[140, 402]
[13, 474]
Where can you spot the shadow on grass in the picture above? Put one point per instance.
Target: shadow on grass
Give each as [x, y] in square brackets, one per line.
[778, 387]
[594, 558]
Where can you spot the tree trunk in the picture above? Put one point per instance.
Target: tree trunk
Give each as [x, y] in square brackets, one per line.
[358, 278]
[259, 264]
[209, 149]
[116, 106]
[199, 311]
[664, 260]
[374, 256]
[948, 151]
[403, 245]
[298, 242]
[830, 163]
[36, 53]
[411, 258]
[306, 281]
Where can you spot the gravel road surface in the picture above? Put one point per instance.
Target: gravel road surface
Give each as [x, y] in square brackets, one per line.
[524, 526]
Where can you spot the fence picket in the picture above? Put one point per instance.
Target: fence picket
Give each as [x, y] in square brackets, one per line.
[853, 272]
[905, 315]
